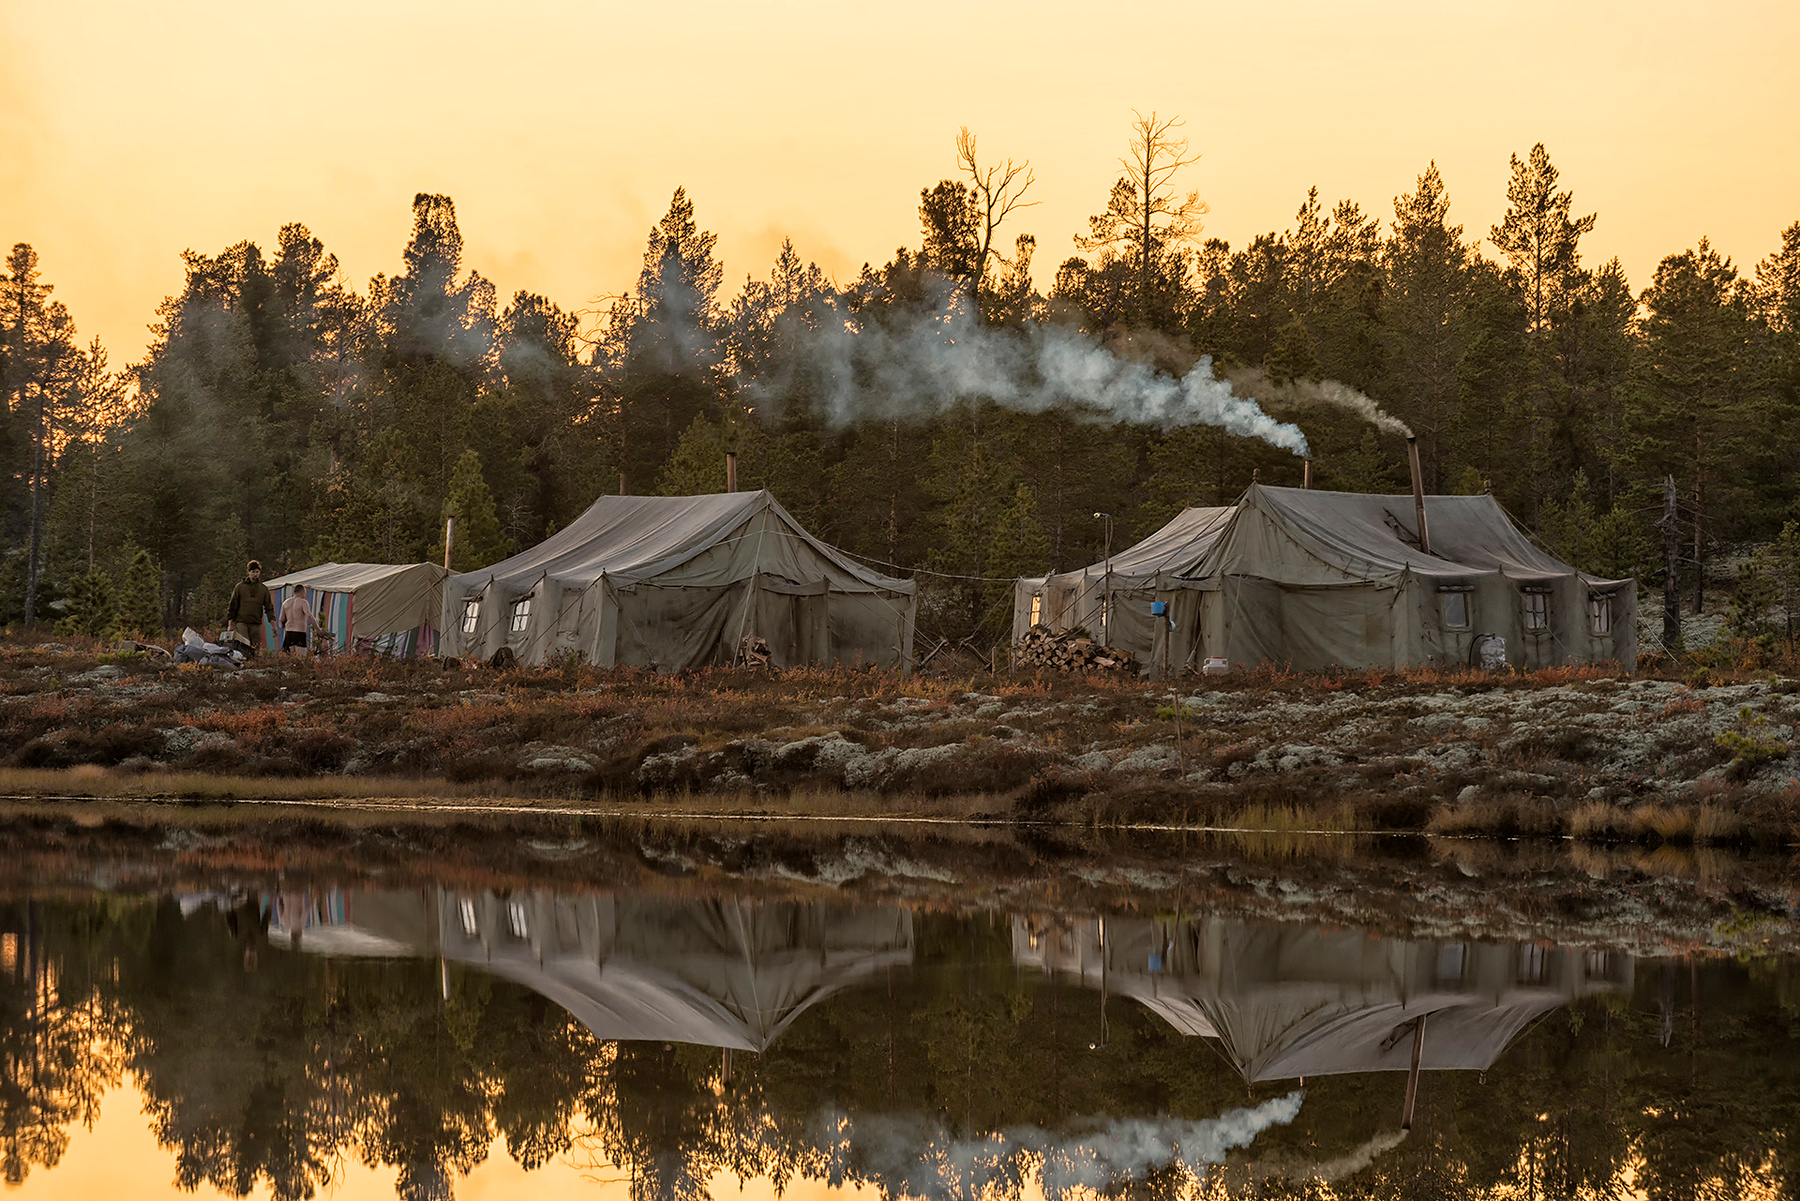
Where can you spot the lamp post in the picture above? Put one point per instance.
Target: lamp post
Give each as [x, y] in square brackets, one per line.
[1106, 523]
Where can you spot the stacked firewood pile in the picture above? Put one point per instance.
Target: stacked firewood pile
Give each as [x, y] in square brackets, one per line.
[1071, 651]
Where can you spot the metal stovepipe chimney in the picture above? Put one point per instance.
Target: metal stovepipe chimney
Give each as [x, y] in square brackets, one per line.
[1418, 482]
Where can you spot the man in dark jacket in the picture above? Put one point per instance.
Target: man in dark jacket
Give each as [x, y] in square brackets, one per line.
[250, 602]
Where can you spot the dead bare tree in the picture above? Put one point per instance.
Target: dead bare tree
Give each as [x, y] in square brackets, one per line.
[998, 191]
[1145, 216]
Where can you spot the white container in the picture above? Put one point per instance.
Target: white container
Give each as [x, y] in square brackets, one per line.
[1216, 665]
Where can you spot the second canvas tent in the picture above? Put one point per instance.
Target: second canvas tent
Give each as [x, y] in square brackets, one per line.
[384, 608]
[676, 582]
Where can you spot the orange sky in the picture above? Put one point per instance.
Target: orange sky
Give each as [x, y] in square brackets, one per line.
[130, 131]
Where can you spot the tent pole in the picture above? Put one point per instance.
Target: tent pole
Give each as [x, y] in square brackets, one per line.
[1412, 1076]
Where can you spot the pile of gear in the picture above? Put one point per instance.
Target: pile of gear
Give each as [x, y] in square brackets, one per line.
[1073, 650]
[230, 653]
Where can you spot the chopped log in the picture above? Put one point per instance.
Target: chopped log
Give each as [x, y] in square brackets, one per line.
[1068, 651]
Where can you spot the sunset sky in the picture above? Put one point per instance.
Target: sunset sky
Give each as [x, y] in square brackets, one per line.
[131, 131]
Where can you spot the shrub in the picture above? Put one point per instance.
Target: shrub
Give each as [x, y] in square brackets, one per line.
[1749, 749]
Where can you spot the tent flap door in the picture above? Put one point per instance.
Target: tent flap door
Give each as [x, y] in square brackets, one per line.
[794, 619]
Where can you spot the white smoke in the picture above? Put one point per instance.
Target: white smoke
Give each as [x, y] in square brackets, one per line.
[1253, 381]
[922, 364]
[910, 1158]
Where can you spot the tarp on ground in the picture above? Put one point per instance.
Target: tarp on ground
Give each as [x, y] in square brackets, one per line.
[674, 582]
[392, 608]
[1111, 599]
[1316, 579]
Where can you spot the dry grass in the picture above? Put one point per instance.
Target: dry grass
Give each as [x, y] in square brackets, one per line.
[1506, 816]
[1598, 821]
[100, 783]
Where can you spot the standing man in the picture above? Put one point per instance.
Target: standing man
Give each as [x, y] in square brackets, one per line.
[250, 601]
[296, 621]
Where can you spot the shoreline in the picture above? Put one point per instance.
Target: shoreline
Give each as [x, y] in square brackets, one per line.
[1581, 753]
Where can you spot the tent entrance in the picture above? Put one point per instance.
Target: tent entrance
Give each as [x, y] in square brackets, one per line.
[794, 619]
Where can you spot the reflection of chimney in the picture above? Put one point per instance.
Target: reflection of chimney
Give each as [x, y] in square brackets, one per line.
[1306, 480]
[731, 471]
[1412, 458]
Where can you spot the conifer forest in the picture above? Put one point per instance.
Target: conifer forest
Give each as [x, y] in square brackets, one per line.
[286, 412]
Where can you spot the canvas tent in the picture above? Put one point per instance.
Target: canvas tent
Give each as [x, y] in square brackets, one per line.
[1111, 599]
[1321, 579]
[1287, 1001]
[386, 608]
[719, 973]
[1315, 579]
[676, 582]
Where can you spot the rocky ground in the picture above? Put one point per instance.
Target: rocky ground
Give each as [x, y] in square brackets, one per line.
[1596, 755]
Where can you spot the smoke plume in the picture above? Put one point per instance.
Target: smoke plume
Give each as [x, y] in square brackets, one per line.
[921, 364]
[1304, 393]
[915, 1159]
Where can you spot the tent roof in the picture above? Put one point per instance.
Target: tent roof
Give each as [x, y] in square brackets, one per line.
[1362, 535]
[348, 577]
[1175, 549]
[648, 538]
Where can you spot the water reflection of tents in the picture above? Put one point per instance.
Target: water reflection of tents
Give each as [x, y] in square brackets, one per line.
[722, 973]
[1290, 1001]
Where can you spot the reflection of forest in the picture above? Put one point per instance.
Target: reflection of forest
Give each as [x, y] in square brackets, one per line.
[926, 1053]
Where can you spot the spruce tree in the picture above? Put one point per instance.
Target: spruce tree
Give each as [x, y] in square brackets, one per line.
[140, 609]
[1019, 547]
[477, 539]
[91, 606]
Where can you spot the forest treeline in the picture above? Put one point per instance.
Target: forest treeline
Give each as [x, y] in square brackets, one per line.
[283, 414]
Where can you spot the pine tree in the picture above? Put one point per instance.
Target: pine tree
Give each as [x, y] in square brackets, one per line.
[1428, 322]
[140, 597]
[1019, 547]
[90, 607]
[477, 536]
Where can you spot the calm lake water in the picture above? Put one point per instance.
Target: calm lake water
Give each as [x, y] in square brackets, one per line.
[236, 1030]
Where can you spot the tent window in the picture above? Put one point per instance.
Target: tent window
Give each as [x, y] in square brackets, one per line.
[1537, 611]
[467, 911]
[1534, 964]
[521, 615]
[1037, 610]
[471, 615]
[1600, 614]
[1453, 603]
[515, 920]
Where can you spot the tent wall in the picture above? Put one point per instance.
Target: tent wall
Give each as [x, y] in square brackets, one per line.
[871, 629]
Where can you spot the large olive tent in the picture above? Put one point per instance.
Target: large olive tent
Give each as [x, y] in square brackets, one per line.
[1111, 599]
[386, 608]
[1315, 579]
[1339, 579]
[675, 582]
